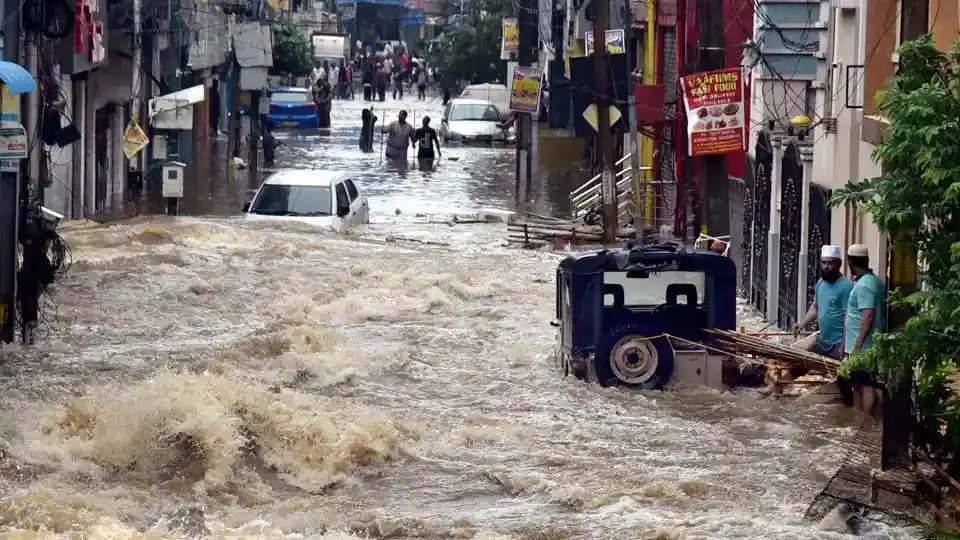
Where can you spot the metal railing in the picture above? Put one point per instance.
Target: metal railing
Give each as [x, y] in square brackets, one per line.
[587, 197]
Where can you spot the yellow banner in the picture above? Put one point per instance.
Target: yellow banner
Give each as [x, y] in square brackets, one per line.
[134, 139]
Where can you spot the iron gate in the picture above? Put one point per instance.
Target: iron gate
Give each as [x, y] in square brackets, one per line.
[819, 234]
[791, 186]
[756, 224]
[739, 236]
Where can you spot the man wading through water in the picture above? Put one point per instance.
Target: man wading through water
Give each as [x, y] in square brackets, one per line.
[829, 305]
[864, 319]
[425, 139]
[399, 135]
[829, 308]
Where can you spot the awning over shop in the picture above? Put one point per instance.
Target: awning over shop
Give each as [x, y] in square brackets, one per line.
[175, 111]
[17, 79]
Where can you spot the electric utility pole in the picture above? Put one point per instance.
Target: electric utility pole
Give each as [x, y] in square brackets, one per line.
[715, 184]
[608, 182]
[527, 28]
[638, 195]
[9, 195]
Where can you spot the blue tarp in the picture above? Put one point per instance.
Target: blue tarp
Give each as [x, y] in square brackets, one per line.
[413, 18]
[17, 79]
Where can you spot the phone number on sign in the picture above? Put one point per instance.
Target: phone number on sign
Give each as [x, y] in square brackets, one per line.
[723, 143]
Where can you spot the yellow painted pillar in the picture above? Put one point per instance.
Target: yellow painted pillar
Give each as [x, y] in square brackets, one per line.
[647, 143]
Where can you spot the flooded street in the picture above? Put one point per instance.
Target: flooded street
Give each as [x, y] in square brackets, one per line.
[269, 381]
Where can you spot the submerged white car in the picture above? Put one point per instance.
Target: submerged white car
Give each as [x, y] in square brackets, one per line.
[322, 198]
[472, 120]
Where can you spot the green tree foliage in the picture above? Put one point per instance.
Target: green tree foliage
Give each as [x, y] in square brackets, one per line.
[470, 49]
[917, 200]
[292, 52]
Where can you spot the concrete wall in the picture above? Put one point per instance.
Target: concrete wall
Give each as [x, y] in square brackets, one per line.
[788, 59]
[57, 196]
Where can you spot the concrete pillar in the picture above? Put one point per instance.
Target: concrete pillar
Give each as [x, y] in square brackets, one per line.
[118, 161]
[80, 122]
[773, 235]
[90, 148]
[803, 257]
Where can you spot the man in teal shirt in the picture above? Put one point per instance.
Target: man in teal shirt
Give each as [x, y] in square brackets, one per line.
[864, 318]
[829, 305]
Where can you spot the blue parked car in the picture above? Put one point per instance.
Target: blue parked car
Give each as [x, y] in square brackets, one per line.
[292, 107]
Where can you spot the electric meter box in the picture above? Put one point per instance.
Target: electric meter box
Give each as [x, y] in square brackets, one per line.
[173, 172]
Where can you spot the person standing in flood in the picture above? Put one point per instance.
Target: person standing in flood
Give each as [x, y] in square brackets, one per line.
[425, 140]
[215, 108]
[421, 84]
[864, 319]
[399, 136]
[829, 306]
[382, 81]
[342, 80]
[323, 95]
[368, 119]
[368, 80]
[397, 83]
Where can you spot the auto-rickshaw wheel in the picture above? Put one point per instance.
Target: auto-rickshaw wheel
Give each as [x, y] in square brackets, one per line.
[634, 356]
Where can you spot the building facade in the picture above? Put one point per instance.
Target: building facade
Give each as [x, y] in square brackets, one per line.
[866, 38]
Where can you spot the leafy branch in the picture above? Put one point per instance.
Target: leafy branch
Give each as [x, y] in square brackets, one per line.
[292, 54]
[470, 49]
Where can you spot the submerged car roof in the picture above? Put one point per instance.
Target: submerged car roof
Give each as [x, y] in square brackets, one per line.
[471, 101]
[290, 90]
[305, 177]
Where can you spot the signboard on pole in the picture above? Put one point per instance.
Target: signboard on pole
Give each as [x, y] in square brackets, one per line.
[13, 142]
[616, 42]
[525, 90]
[715, 112]
[510, 40]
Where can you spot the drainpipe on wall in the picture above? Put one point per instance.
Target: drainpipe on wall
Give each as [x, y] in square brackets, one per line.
[773, 237]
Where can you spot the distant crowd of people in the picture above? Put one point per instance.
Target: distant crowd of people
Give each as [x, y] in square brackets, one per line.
[394, 70]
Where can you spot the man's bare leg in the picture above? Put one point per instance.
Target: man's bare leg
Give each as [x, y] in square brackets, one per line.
[864, 398]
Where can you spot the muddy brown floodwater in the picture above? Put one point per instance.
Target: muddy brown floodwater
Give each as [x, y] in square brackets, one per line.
[206, 375]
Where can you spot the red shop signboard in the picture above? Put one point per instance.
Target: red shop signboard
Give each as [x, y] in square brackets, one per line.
[87, 34]
[715, 112]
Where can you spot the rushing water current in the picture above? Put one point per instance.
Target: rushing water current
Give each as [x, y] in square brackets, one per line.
[202, 374]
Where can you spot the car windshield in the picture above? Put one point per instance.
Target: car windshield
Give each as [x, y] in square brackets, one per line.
[289, 97]
[650, 290]
[477, 112]
[282, 200]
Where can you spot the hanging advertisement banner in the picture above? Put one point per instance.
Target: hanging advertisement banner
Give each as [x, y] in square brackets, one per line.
[510, 40]
[616, 42]
[715, 115]
[525, 90]
[134, 139]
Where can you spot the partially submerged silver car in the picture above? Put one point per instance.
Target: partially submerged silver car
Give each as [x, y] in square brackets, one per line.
[473, 121]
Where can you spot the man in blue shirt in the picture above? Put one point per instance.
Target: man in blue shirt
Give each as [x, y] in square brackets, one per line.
[829, 305]
[864, 318]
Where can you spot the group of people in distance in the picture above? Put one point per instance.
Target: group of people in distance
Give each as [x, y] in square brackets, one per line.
[399, 135]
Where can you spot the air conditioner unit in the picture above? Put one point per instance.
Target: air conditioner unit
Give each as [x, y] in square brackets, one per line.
[846, 4]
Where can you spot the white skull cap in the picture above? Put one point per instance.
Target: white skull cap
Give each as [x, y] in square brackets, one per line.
[858, 250]
[831, 252]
